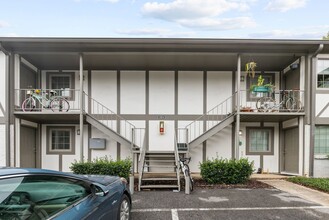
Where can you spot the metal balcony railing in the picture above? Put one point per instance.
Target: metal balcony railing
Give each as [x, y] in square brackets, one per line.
[43, 99]
[285, 101]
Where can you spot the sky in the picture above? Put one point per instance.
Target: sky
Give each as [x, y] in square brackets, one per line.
[257, 19]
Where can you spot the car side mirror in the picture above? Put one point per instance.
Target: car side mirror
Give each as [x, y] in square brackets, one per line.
[97, 190]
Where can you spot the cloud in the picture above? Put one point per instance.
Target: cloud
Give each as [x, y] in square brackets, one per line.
[200, 13]
[219, 24]
[315, 32]
[151, 32]
[285, 5]
[3, 24]
[111, 1]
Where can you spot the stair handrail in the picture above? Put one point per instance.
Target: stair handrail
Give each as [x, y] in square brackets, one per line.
[228, 111]
[127, 125]
[141, 161]
[177, 159]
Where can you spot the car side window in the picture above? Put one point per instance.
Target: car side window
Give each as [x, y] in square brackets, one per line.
[38, 197]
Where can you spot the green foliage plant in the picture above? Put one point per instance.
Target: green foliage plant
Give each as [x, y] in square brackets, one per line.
[226, 171]
[103, 166]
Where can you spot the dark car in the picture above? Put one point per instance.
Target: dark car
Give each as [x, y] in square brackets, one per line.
[45, 194]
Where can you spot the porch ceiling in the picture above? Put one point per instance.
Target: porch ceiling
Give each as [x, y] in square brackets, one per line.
[159, 54]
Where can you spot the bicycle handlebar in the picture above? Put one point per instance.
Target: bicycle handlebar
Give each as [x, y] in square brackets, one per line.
[185, 159]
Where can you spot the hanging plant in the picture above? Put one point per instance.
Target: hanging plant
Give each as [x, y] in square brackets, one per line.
[250, 69]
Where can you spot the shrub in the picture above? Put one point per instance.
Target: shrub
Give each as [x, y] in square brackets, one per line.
[103, 166]
[226, 171]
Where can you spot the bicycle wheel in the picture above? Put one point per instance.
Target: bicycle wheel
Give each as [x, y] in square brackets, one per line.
[188, 174]
[265, 104]
[293, 106]
[28, 104]
[59, 104]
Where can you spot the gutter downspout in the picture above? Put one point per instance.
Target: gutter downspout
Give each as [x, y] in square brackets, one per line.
[311, 60]
[7, 103]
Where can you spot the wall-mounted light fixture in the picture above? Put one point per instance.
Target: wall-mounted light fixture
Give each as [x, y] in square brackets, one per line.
[78, 131]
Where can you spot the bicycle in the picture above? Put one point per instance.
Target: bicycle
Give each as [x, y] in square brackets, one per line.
[289, 102]
[53, 102]
[183, 162]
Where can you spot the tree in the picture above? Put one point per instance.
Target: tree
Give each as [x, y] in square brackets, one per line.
[326, 37]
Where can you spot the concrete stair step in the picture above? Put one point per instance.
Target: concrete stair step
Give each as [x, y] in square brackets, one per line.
[160, 156]
[161, 161]
[160, 179]
[159, 186]
[160, 166]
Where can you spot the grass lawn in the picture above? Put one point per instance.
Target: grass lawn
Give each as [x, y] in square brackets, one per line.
[321, 184]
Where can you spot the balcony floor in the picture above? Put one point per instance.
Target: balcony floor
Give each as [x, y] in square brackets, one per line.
[268, 116]
[50, 117]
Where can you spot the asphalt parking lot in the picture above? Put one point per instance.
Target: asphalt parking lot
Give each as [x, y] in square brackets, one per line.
[224, 204]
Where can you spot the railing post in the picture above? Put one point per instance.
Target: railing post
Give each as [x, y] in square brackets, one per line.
[132, 176]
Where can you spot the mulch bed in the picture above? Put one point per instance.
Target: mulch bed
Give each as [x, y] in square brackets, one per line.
[201, 184]
[250, 184]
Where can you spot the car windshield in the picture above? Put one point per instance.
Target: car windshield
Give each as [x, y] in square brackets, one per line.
[38, 197]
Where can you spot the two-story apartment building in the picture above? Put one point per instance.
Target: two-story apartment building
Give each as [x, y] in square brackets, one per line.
[127, 97]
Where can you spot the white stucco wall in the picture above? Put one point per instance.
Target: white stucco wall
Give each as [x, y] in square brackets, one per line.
[161, 142]
[132, 92]
[219, 87]
[190, 92]
[220, 145]
[104, 88]
[321, 101]
[162, 92]
[111, 145]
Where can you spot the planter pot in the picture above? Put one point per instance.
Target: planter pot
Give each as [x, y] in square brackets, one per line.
[261, 89]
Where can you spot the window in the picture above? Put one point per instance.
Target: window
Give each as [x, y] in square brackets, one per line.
[321, 140]
[39, 197]
[61, 140]
[268, 78]
[323, 74]
[62, 83]
[259, 141]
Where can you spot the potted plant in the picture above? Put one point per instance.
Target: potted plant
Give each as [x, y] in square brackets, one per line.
[250, 69]
[260, 87]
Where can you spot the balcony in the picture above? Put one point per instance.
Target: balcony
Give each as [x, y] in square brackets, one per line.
[275, 106]
[50, 106]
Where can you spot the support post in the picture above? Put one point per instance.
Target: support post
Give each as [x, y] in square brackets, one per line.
[132, 176]
[7, 108]
[81, 106]
[237, 123]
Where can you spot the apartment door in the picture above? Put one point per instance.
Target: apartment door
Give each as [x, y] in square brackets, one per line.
[291, 150]
[28, 147]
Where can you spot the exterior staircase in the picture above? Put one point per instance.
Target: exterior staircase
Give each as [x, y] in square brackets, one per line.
[159, 171]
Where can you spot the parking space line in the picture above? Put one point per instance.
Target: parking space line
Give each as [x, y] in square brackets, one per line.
[174, 214]
[228, 209]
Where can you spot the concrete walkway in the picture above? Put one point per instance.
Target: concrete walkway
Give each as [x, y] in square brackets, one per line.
[300, 191]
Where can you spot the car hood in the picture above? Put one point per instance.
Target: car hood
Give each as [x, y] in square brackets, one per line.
[102, 179]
